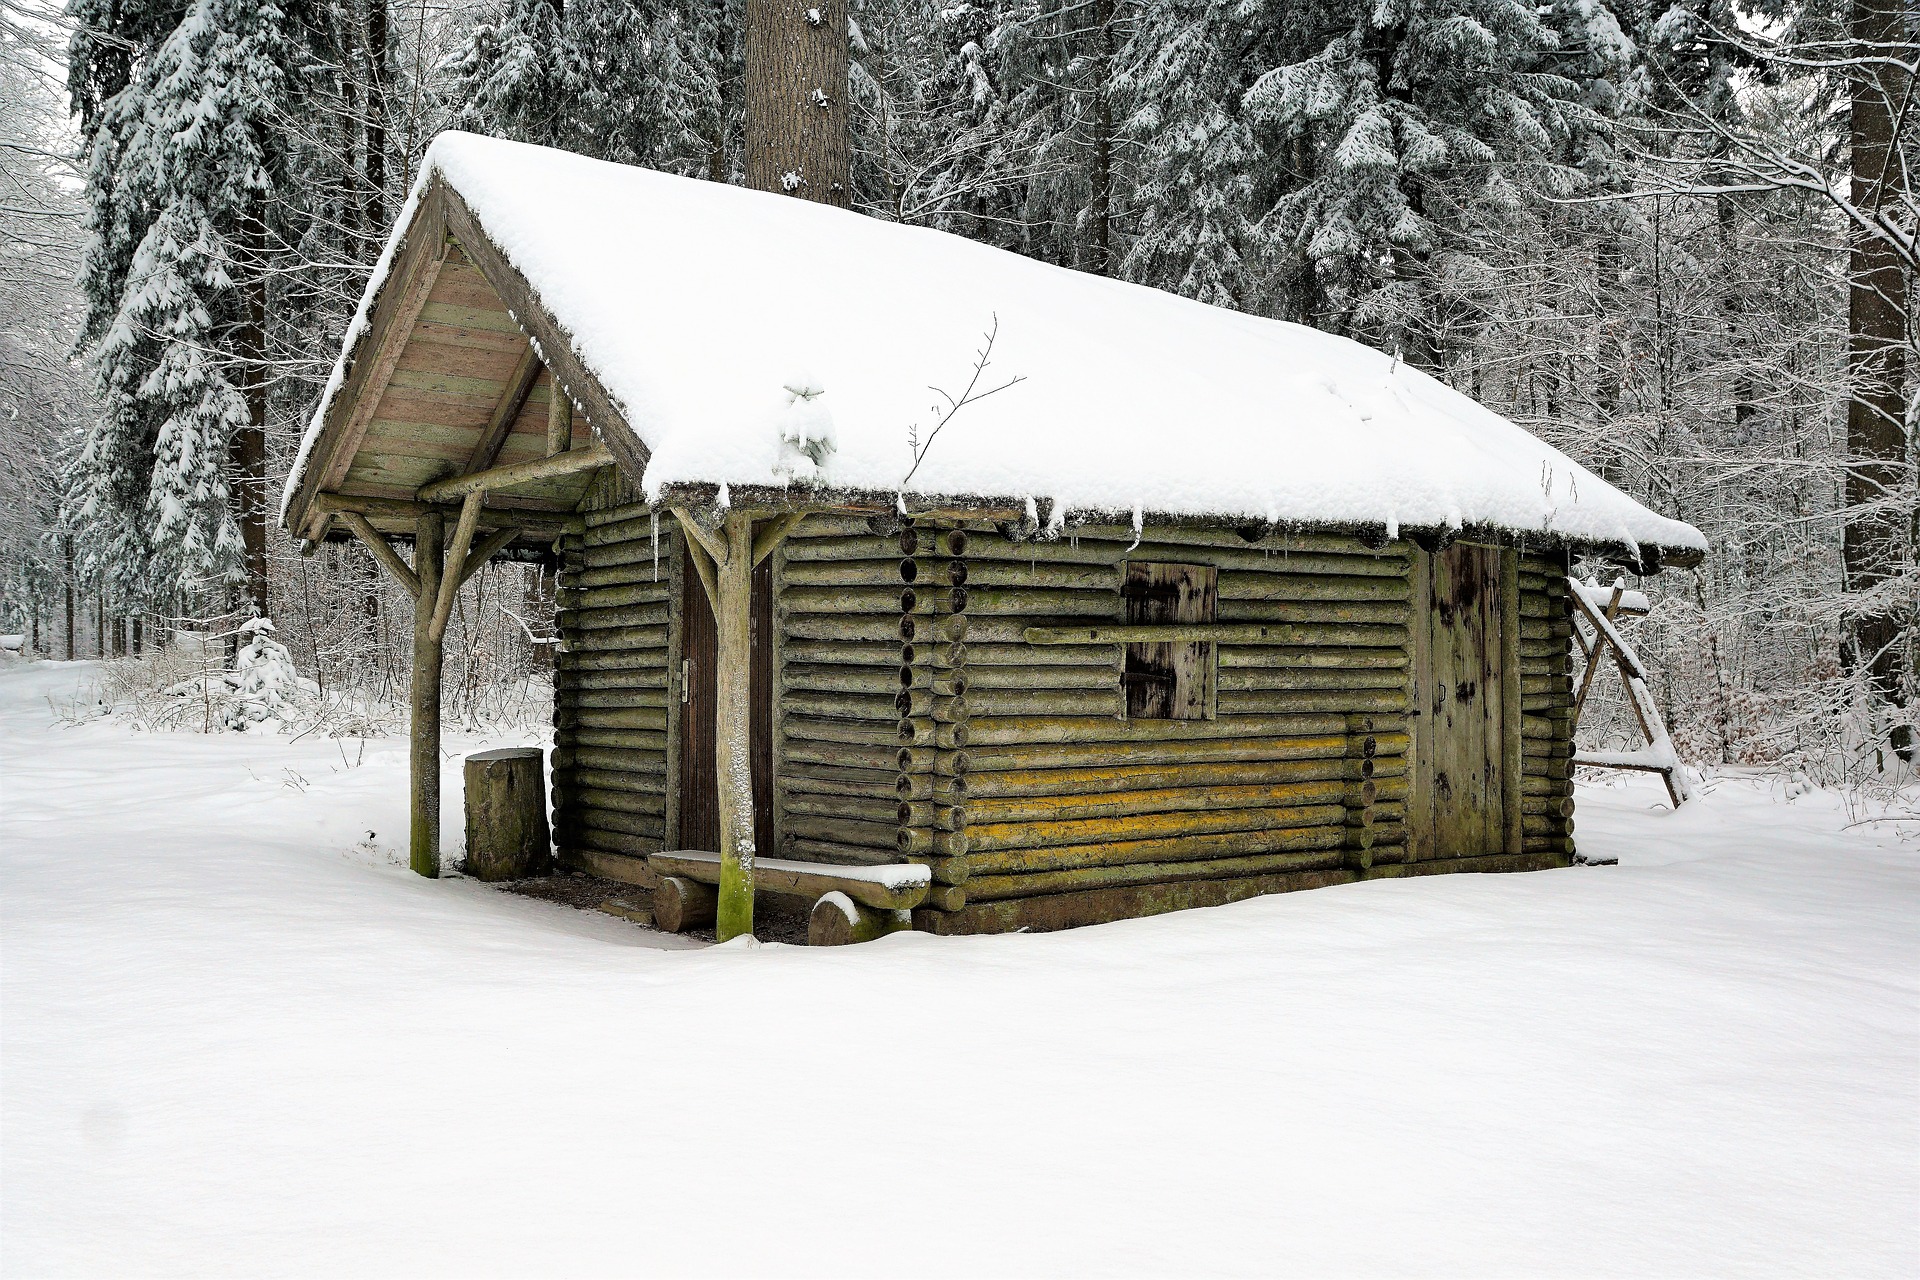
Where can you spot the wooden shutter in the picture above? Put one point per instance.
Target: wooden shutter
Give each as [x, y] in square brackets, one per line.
[1169, 680]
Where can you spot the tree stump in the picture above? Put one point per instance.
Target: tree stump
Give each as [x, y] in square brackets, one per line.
[507, 837]
[837, 921]
[680, 905]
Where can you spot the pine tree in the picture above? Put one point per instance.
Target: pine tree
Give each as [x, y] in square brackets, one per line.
[1182, 80]
[1411, 134]
[634, 81]
[183, 165]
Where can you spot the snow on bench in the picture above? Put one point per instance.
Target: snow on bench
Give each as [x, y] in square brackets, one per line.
[893, 886]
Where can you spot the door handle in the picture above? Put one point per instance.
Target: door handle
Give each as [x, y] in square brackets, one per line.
[686, 679]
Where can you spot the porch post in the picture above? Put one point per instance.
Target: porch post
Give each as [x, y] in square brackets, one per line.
[733, 735]
[424, 837]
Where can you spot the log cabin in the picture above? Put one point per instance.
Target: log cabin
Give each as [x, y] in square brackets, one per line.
[960, 591]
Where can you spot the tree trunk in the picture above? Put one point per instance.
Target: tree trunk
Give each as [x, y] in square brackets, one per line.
[1100, 211]
[375, 207]
[424, 837]
[66, 548]
[797, 103]
[1876, 365]
[250, 442]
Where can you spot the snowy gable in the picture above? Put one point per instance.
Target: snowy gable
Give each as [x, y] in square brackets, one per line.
[752, 340]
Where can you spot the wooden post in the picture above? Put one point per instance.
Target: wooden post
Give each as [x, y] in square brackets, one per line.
[559, 419]
[424, 836]
[733, 735]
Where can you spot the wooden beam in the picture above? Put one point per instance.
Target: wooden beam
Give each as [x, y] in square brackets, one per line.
[456, 555]
[383, 551]
[773, 533]
[485, 550]
[559, 419]
[715, 547]
[422, 253]
[572, 462]
[533, 524]
[513, 398]
[700, 549]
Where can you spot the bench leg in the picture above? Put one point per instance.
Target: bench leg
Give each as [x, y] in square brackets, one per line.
[837, 920]
[680, 905]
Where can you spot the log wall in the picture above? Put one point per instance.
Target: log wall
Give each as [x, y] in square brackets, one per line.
[614, 689]
[915, 720]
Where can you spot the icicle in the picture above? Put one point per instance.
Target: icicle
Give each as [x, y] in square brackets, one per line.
[656, 546]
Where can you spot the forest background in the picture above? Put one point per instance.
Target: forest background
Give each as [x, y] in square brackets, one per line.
[1674, 239]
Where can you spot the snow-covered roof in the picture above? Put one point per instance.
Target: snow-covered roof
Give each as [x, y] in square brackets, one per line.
[722, 321]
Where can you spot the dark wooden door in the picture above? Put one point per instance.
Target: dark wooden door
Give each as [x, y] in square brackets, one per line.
[699, 643]
[1457, 805]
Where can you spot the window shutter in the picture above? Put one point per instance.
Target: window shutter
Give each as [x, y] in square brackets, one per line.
[1169, 681]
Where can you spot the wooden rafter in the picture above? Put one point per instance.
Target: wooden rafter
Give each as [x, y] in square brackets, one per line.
[513, 398]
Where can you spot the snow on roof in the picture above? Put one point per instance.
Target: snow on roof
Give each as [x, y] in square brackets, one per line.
[721, 320]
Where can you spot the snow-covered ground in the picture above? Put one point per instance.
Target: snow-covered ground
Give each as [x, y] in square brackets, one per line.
[238, 1038]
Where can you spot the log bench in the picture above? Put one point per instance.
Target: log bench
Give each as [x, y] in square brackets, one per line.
[851, 904]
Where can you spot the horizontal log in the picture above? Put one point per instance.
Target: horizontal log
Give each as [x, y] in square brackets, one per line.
[615, 799]
[1018, 653]
[986, 837]
[650, 783]
[875, 681]
[625, 615]
[1551, 806]
[1539, 824]
[1314, 613]
[612, 719]
[843, 627]
[1330, 657]
[1049, 755]
[1245, 633]
[1182, 849]
[622, 867]
[588, 578]
[1350, 561]
[640, 760]
[876, 653]
[848, 831]
[627, 692]
[800, 879]
[618, 513]
[1247, 702]
[1106, 704]
[632, 593]
[797, 776]
[877, 808]
[1157, 800]
[935, 815]
[806, 547]
[840, 706]
[833, 852]
[917, 841]
[590, 818]
[614, 842]
[998, 730]
[603, 712]
[877, 755]
[1055, 677]
[642, 657]
[1235, 679]
[997, 888]
[1545, 629]
[616, 739]
[615, 638]
[627, 675]
[1091, 784]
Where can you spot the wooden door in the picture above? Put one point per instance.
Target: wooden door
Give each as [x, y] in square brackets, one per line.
[1457, 805]
[699, 644]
